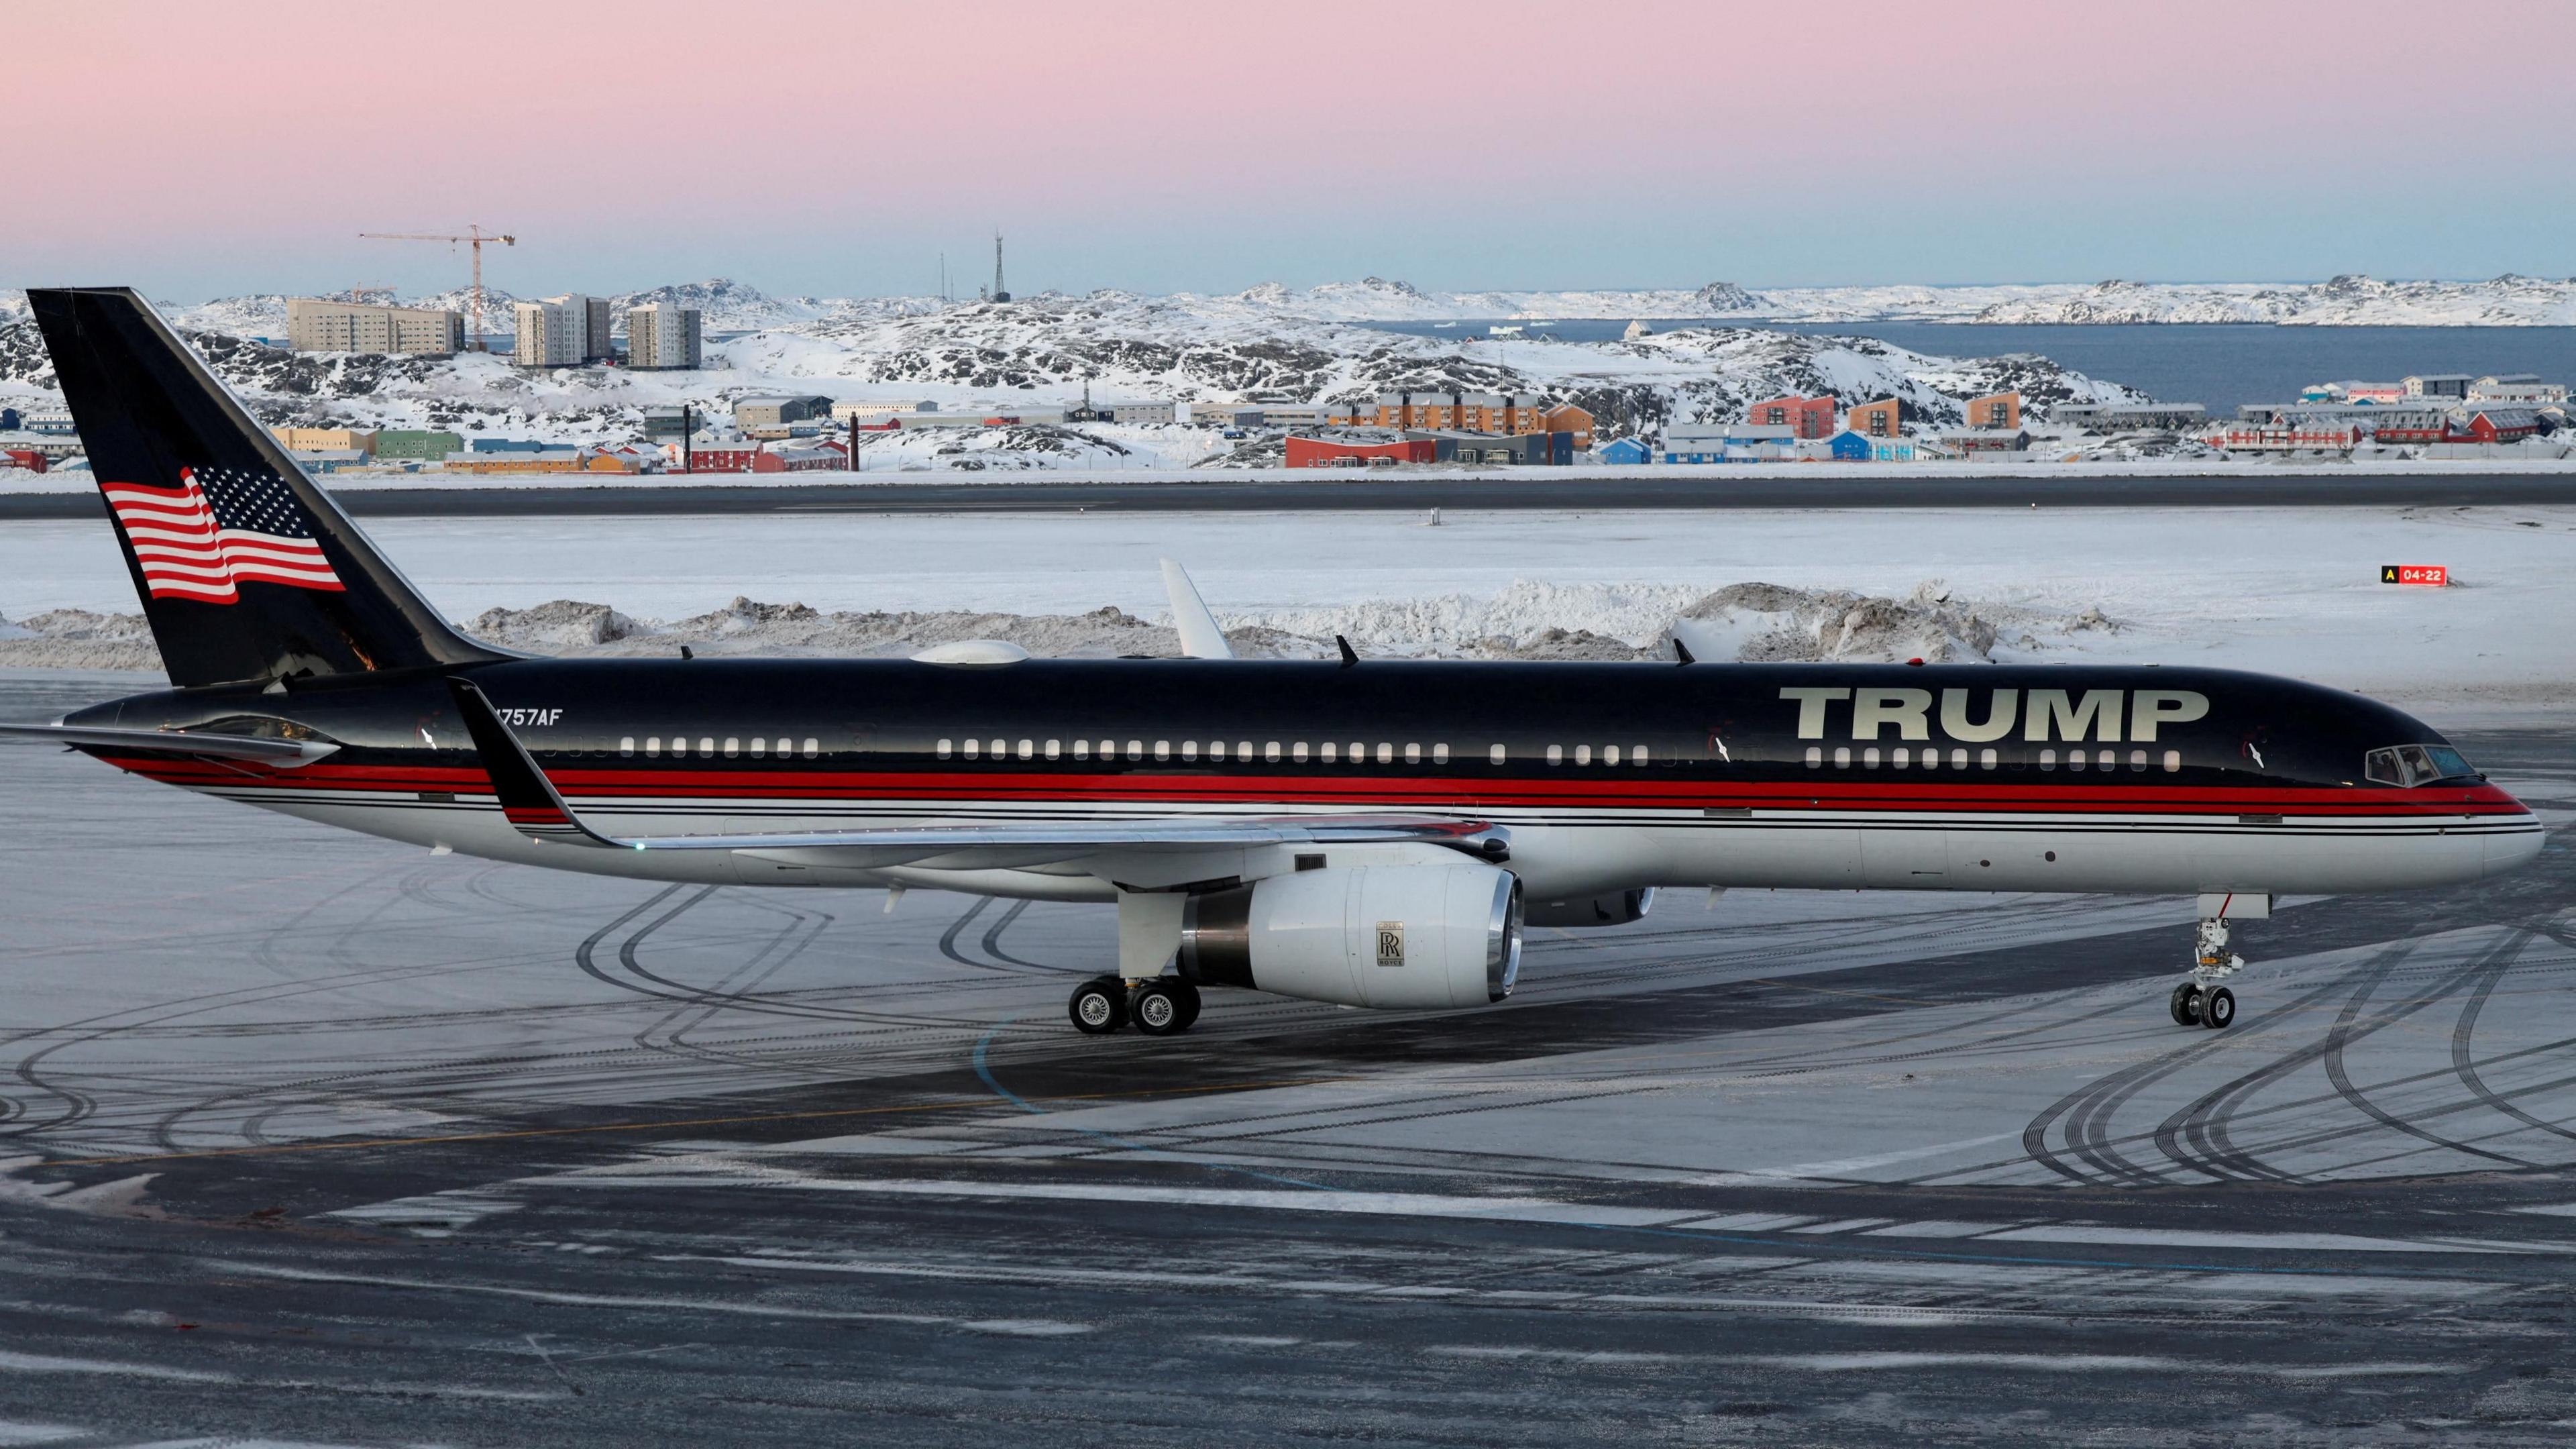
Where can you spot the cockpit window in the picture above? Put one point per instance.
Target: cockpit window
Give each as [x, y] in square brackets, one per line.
[260, 727]
[2407, 766]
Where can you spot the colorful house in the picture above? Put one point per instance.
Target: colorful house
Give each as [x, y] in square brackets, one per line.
[1340, 453]
[1622, 452]
[1805, 417]
[1998, 410]
[1880, 419]
[1848, 446]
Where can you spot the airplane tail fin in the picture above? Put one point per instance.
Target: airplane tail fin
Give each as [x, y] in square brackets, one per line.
[247, 570]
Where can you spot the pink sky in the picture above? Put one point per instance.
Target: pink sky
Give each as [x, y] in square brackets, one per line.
[839, 147]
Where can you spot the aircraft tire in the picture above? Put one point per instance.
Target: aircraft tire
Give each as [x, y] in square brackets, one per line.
[2218, 1008]
[2186, 1004]
[1158, 1008]
[1099, 1006]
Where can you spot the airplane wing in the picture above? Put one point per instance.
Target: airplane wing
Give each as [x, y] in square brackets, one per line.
[532, 803]
[277, 754]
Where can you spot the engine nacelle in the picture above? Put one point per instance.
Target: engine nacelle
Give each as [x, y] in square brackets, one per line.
[1615, 909]
[1382, 935]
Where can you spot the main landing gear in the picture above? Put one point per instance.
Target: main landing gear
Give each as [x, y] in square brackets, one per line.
[2201, 1001]
[1157, 1006]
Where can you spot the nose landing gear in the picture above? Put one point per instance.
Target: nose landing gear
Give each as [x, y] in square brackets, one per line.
[2201, 1001]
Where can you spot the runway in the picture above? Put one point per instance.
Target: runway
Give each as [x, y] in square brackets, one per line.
[1818, 487]
[316, 1138]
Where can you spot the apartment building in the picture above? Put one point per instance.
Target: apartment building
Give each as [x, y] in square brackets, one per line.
[315, 324]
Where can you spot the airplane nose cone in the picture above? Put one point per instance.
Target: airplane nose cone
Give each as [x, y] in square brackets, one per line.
[2512, 852]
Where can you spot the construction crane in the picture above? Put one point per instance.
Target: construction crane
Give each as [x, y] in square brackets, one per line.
[475, 234]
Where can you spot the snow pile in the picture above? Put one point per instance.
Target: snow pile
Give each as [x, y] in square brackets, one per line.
[1752, 622]
[79, 639]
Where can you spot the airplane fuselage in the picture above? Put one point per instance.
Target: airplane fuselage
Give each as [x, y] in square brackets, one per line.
[1606, 777]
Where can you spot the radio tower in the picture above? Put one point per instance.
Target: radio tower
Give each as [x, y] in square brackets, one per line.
[999, 293]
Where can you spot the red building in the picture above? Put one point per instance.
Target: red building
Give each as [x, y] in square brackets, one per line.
[27, 458]
[1335, 453]
[723, 458]
[1808, 417]
[797, 460]
[2491, 425]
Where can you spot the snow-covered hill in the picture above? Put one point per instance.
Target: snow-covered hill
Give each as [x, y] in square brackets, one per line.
[1048, 349]
[2347, 301]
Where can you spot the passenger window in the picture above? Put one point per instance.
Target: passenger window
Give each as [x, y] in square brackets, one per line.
[1297, 752]
[1842, 757]
[1556, 754]
[1108, 749]
[813, 747]
[974, 748]
[1439, 754]
[626, 745]
[1413, 754]
[2137, 759]
[1000, 748]
[1869, 758]
[1497, 755]
[1270, 752]
[1583, 754]
[1901, 757]
[652, 746]
[1054, 748]
[2173, 762]
[759, 746]
[946, 748]
[2048, 759]
[1985, 759]
[706, 745]
[1243, 751]
[1189, 749]
[2075, 759]
[1162, 749]
[2108, 759]
[1081, 749]
[1359, 753]
[1385, 753]
[1815, 757]
[1610, 754]
[733, 746]
[1135, 749]
[1328, 752]
[1959, 759]
[679, 747]
[1638, 755]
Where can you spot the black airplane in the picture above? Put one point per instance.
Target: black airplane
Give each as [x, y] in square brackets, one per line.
[1366, 832]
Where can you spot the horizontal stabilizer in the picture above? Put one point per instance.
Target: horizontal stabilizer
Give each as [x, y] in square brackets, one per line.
[281, 754]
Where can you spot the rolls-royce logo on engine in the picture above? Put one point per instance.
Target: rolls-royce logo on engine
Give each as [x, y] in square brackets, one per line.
[1390, 943]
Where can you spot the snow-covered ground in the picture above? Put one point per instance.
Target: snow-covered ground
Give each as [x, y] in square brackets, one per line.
[2346, 301]
[2293, 591]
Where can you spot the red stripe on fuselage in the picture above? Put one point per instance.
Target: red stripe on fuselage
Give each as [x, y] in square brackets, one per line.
[1415, 792]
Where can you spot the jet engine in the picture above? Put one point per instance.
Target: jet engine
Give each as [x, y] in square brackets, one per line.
[1384, 935]
[1615, 909]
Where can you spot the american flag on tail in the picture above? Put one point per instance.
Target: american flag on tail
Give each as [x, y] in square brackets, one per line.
[219, 528]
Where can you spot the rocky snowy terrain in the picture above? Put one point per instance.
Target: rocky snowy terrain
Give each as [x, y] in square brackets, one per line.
[1049, 349]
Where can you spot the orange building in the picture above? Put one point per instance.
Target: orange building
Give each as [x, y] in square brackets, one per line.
[1470, 412]
[2002, 410]
[1806, 417]
[1874, 420]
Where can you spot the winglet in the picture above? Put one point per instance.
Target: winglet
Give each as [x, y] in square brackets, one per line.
[1200, 637]
[527, 797]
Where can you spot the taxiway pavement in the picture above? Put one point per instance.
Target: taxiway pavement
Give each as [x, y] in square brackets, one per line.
[319, 1138]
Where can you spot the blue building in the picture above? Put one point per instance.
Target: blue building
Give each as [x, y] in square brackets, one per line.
[508, 445]
[1850, 447]
[8, 420]
[1625, 452]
